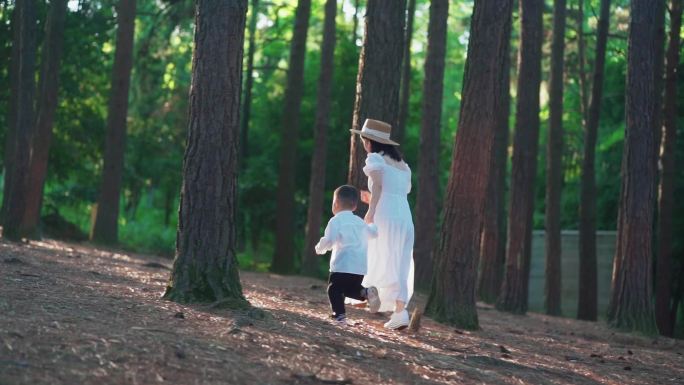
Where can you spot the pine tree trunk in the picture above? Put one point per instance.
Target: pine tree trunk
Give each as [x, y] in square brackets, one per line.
[205, 267]
[377, 82]
[399, 133]
[310, 262]
[284, 257]
[631, 305]
[513, 295]
[587, 305]
[658, 68]
[427, 199]
[19, 136]
[46, 107]
[452, 297]
[554, 165]
[667, 176]
[249, 84]
[105, 228]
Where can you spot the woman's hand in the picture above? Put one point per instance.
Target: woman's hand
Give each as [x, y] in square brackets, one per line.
[369, 216]
[365, 196]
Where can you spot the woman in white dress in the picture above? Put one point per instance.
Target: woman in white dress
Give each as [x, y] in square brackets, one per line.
[390, 255]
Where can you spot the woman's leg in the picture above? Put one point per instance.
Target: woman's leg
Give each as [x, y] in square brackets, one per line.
[399, 306]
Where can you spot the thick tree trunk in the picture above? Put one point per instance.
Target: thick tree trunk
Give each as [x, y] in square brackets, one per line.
[554, 164]
[427, 199]
[19, 136]
[377, 82]
[105, 228]
[587, 305]
[452, 298]
[318, 160]
[513, 295]
[399, 133]
[46, 107]
[205, 267]
[284, 257]
[631, 305]
[249, 83]
[667, 176]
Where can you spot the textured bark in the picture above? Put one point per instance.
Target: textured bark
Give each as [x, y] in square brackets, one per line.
[19, 136]
[249, 83]
[205, 267]
[399, 133]
[587, 305]
[105, 228]
[427, 199]
[46, 107]
[667, 177]
[513, 295]
[452, 297]
[284, 257]
[631, 305]
[318, 160]
[659, 64]
[377, 82]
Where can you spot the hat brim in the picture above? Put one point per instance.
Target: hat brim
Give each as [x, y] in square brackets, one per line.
[375, 138]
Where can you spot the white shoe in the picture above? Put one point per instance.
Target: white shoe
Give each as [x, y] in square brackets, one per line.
[373, 299]
[398, 321]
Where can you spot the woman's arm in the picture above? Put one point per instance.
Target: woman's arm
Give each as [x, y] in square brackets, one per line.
[376, 192]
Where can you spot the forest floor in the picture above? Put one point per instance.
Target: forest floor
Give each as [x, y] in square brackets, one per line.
[74, 314]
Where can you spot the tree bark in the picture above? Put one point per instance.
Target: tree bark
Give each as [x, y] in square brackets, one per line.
[284, 258]
[667, 177]
[105, 228]
[631, 306]
[205, 267]
[249, 84]
[513, 295]
[46, 107]
[587, 305]
[428, 158]
[310, 265]
[399, 133]
[19, 136]
[452, 297]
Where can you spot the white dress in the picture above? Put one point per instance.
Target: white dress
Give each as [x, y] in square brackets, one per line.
[390, 255]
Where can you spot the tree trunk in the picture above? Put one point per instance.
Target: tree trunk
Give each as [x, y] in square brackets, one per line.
[249, 83]
[554, 164]
[105, 229]
[667, 176]
[581, 59]
[19, 136]
[47, 105]
[587, 306]
[284, 257]
[452, 298]
[205, 267]
[631, 305]
[377, 82]
[428, 158]
[513, 296]
[659, 45]
[318, 160]
[399, 133]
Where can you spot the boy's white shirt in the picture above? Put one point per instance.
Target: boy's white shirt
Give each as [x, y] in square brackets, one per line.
[347, 236]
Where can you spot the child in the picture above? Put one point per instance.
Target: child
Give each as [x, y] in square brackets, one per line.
[347, 235]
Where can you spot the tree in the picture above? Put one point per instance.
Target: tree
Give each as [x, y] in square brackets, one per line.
[283, 259]
[317, 183]
[513, 295]
[667, 177]
[22, 118]
[554, 164]
[205, 266]
[631, 305]
[452, 297]
[428, 157]
[399, 132]
[249, 82]
[46, 107]
[587, 307]
[377, 91]
[105, 228]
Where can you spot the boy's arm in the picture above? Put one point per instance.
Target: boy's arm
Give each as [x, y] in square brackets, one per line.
[372, 230]
[329, 236]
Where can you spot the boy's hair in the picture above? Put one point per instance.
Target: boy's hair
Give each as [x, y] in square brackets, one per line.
[347, 196]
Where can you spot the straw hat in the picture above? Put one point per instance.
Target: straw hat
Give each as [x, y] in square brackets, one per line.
[377, 131]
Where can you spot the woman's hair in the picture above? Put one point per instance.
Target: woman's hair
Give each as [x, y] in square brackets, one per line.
[386, 149]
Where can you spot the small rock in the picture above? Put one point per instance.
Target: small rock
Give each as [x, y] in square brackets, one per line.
[628, 368]
[315, 287]
[629, 352]
[572, 358]
[93, 272]
[179, 315]
[180, 353]
[602, 361]
[458, 331]
[593, 355]
[621, 358]
[504, 350]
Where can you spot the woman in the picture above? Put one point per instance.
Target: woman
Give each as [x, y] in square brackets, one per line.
[390, 255]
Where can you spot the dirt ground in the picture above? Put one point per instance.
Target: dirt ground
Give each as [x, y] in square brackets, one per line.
[73, 314]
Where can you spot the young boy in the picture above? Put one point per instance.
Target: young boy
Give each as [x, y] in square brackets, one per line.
[347, 235]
